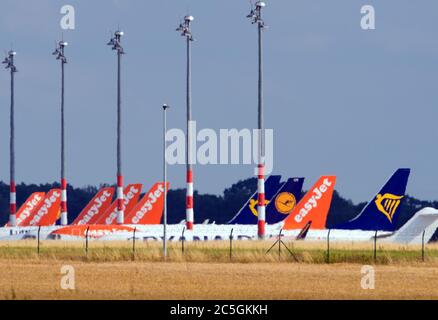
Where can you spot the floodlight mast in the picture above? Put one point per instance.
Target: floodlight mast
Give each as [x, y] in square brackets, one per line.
[256, 18]
[165, 108]
[115, 43]
[184, 28]
[9, 64]
[59, 53]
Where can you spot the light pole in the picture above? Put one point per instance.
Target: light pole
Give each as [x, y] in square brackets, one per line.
[256, 18]
[59, 53]
[165, 107]
[9, 62]
[184, 28]
[115, 42]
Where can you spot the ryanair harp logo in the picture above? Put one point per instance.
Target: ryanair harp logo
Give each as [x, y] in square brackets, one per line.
[388, 204]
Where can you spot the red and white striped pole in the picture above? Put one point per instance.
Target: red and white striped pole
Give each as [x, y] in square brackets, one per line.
[256, 17]
[59, 52]
[13, 205]
[184, 28]
[115, 42]
[120, 205]
[261, 201]
[189, 200]
[9, 61]
[64, 220]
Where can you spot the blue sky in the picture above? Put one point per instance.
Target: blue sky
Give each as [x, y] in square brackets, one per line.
[343, 101]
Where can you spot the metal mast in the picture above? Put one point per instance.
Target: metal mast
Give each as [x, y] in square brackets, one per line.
[59, 52]
[115, 42]
[184, 28]
[165, 107]
[9, 62]
[256, 18]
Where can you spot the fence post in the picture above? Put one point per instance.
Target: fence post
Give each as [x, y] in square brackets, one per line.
[328, 246]
[182, 240]
[38, 245]
[279, 245]
[375, 247]
[86, 240]
[422, 246]
[133, 243]
[231, 244]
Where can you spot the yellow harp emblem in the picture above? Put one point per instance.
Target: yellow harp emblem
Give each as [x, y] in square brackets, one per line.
[388, 204]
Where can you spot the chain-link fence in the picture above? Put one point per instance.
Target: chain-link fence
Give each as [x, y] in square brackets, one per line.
[330, 247]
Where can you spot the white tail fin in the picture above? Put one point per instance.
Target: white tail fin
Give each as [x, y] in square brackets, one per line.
[425, 220]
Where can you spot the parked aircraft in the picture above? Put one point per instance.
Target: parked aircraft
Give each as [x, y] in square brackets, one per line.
[380, 217]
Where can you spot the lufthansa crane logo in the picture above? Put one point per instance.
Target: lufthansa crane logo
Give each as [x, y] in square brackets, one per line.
[285, 202]
[253, 206]
[388, 204]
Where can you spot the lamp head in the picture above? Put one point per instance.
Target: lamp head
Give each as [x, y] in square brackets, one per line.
[260, 4]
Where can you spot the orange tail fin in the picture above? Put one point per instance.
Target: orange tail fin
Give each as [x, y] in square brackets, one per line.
[96, 207]
[314, 206]
[47, 211]
[150, 209]
[131, 196]
[29, 206]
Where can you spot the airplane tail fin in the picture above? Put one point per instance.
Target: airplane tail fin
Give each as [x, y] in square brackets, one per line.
[28, 207]
[284, 201]
[383, 211]
[96, 207]
[47, 211]
[248, 213]
[314, 206]
[150, 208]
[424, 222]
[303, 233]
[131, 194]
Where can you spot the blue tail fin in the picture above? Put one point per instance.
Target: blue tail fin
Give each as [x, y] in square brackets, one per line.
[383, 211]
[284, 200]
[248, 213]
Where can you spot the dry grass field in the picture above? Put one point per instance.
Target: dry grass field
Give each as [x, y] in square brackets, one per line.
[111, 271]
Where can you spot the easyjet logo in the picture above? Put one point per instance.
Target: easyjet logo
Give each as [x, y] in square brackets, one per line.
[103, 232]
[95, 208]
[132, 192]
[48, 203]
[30, 205]
[149, 204]
[312, 202]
